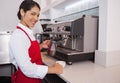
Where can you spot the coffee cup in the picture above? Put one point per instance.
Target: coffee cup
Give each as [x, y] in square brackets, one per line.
[63, 63]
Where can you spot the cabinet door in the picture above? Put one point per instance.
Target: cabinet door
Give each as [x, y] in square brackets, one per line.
[53, 78]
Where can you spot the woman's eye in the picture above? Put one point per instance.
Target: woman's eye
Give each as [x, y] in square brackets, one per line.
[37, 15]
[33, 14]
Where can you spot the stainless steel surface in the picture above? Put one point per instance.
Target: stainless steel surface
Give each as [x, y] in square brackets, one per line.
[80, 43]
[68, 51]
[52, 48]
[69, 32]
[82, 33]
[4, 58]
[39, 37]
[4, 51]
[6, 69]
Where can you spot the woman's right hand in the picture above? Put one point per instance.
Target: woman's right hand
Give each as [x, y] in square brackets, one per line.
[55, 69]
[45, 44]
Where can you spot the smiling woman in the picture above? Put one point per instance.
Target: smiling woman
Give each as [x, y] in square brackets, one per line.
[24, 49]
[29, 14]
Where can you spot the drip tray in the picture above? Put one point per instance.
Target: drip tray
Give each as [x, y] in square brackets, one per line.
[71, 56]
[68, 51]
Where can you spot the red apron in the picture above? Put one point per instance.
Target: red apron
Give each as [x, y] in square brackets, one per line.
[34, 54]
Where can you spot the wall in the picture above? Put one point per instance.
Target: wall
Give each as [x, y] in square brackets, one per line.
[70, 12]
[63, 11]
[93, 11]
[108, 53]
[8, 14]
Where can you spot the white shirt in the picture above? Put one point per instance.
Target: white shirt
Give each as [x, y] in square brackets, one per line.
[18, 49]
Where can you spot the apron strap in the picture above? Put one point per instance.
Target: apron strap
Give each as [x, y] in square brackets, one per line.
[24, 32]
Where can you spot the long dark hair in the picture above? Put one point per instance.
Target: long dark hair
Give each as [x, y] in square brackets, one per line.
[27, 5]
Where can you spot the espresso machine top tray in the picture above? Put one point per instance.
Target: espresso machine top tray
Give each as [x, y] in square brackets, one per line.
[68, 51]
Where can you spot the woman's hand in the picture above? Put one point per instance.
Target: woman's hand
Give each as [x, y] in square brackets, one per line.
[55, 69]
[45, 44]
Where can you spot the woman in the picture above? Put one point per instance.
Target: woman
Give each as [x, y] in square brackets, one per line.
[25, 50]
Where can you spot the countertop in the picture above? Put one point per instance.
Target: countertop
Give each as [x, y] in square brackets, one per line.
[72, 72]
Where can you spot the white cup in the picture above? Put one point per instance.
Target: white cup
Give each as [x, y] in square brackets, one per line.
[63, 63]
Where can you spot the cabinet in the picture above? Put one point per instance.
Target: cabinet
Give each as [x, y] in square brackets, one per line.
[53, 78]
[6, 70]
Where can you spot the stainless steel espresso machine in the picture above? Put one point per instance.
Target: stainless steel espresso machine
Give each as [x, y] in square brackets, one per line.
[75, 40]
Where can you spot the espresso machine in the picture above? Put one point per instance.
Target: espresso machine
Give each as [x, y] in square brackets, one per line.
[76, 40]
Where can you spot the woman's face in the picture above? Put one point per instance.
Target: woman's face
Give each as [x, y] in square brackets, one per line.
[30, 17]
